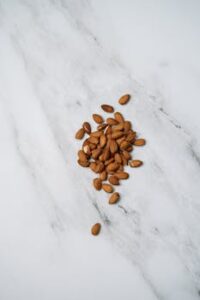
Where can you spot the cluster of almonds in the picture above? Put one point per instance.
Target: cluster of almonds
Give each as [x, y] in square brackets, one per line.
[107, 151]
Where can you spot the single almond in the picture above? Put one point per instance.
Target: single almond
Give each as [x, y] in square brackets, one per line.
[111, 121]
[112, 167]
[80, 134]
[131, 136]
[84, 164]
[124, 99]
[96, 153]
[109, 161]
[117, 134]
[127, 126]
[119, 117]
[122, 175]
[139, 142]
[103, 175]
[100, 167]
[113, 180]
[107, 187]
[135, 163]
[107, 108]
[87, 127]
[120, 140]
[97, 118]
[82, 156]
[96, 134]
[97, 184]
[119, 126]
[114, 198]
[102, 126]
[124, 145]
[93, 140]
[93, 166]
[113, 146]
[103, 140]
[96, 229]
[118, 158]
[126, 154]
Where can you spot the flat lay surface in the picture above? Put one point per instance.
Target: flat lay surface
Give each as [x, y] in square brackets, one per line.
[59, 61]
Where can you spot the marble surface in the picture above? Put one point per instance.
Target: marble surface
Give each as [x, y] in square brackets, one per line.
[59, 60]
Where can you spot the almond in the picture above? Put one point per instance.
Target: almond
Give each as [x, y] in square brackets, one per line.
[120, 126]
[129, 149]
[109, 161]
[112, 167]
[113, 180]
[131, 136]
[118, 158]
[107, 108]
[96, 153]
[118, 117]
[120, 140]
[135, 163]
[97, 184]
[139, 142]
[87, 127]
[102, 126]
[111, 121]
[108, 130]
[117, 134]
[126, 154]
[93, 166]
[103, 140]
[100, 167]
[124, 160]
[124, 99]
[84, 164]
[107, 188]
[86, 150]
[124, 145]
[96, 134]
[80, 134]
[82, 156]
[127, 126]
[93, 140]
[113, 146]
[114, 198]
[96, 229]
[103, 175]
[121, 168]
[92, 146]
[97, 118]
[106, 154]
[122, 175]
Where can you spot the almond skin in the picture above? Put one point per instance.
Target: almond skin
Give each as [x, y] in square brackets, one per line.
[117, 134]
[112, 167]
[124, 160]
[135, 163]
[97, 118]
[120, 140]
[84, 164]
[114, 198]
[97, 184]
[80, 134]
[124, 99]
[103, 175]
[82, 156]
[122, 175]
[96, 229]
[107, 108]
[139, 142]
[107, 188]
[118, 117]
[86, 126]
[103, 140]
[113, 180]
[113, 146]
[111, 121]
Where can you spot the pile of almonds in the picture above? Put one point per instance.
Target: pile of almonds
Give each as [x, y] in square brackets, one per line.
[107, 151]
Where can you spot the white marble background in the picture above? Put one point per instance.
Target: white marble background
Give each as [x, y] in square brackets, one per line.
[59, 60]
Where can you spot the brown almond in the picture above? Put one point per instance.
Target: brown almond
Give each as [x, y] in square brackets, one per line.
[126, 154]
[92, 146]
[97, 184]
[113, 180]
[106, 154]
[82, 156]
[107, 108]
[139, 142]
[109, 161]
[117, 134]
[87, 127]
[114, 198]
[108, 130]
[119, 117]
[96, 134]
[103, 175]
[102, 126]
[80, 134]
[107, 188]
[131, 136]
[97, 118]
[124, 160]
[100, 167]
[118, 158]
[121, 168]
[135, 163]
[111, 121]
[93, 140]
[103, 140]
[96, 153]
[124, 99]
[84, 164]
[113, 146]
[127, 126]
[120, 140]
[93, 166]
[86, 150]
[124, 145]
[112, 167]
[122, 175]
[120, 126]
[129, 148]
[96, 229]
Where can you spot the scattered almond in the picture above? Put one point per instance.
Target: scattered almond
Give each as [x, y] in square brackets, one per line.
[97, 118]
[114, 198]
[84, 164]
[139, 142]
[107, 188]
[113, 146]
[97, 184]
[107, 108]
[111, 121]
[87, 127]
[82, 156]
[113, 180]
[80, 134]
[118, 117]
[124, 99]
[96, 229]
[135, 163]
[122, 175]
[103, 175]
[103, 140]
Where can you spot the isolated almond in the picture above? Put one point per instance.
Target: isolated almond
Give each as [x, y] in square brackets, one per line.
[87, 127]
[135, 163]
[84, 164]
[96, 153]
[113, 180]
[96, 134]
[103, 140]
[97, 118]
[80, 134]
[113, 146]
[124, 99]
[139, 142]
[93, 140]
[111, 121]
[107, 188]
[119, 126]
[102, 126]
[118, 117]
[112, 167]
[124, 145]
[82, 156]
[122, 175]
[127, 126]
[107, 108]
[96, 229]
[117, 134]
[118, 158]
[97, 184]
[114, 198]
[103, 175]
